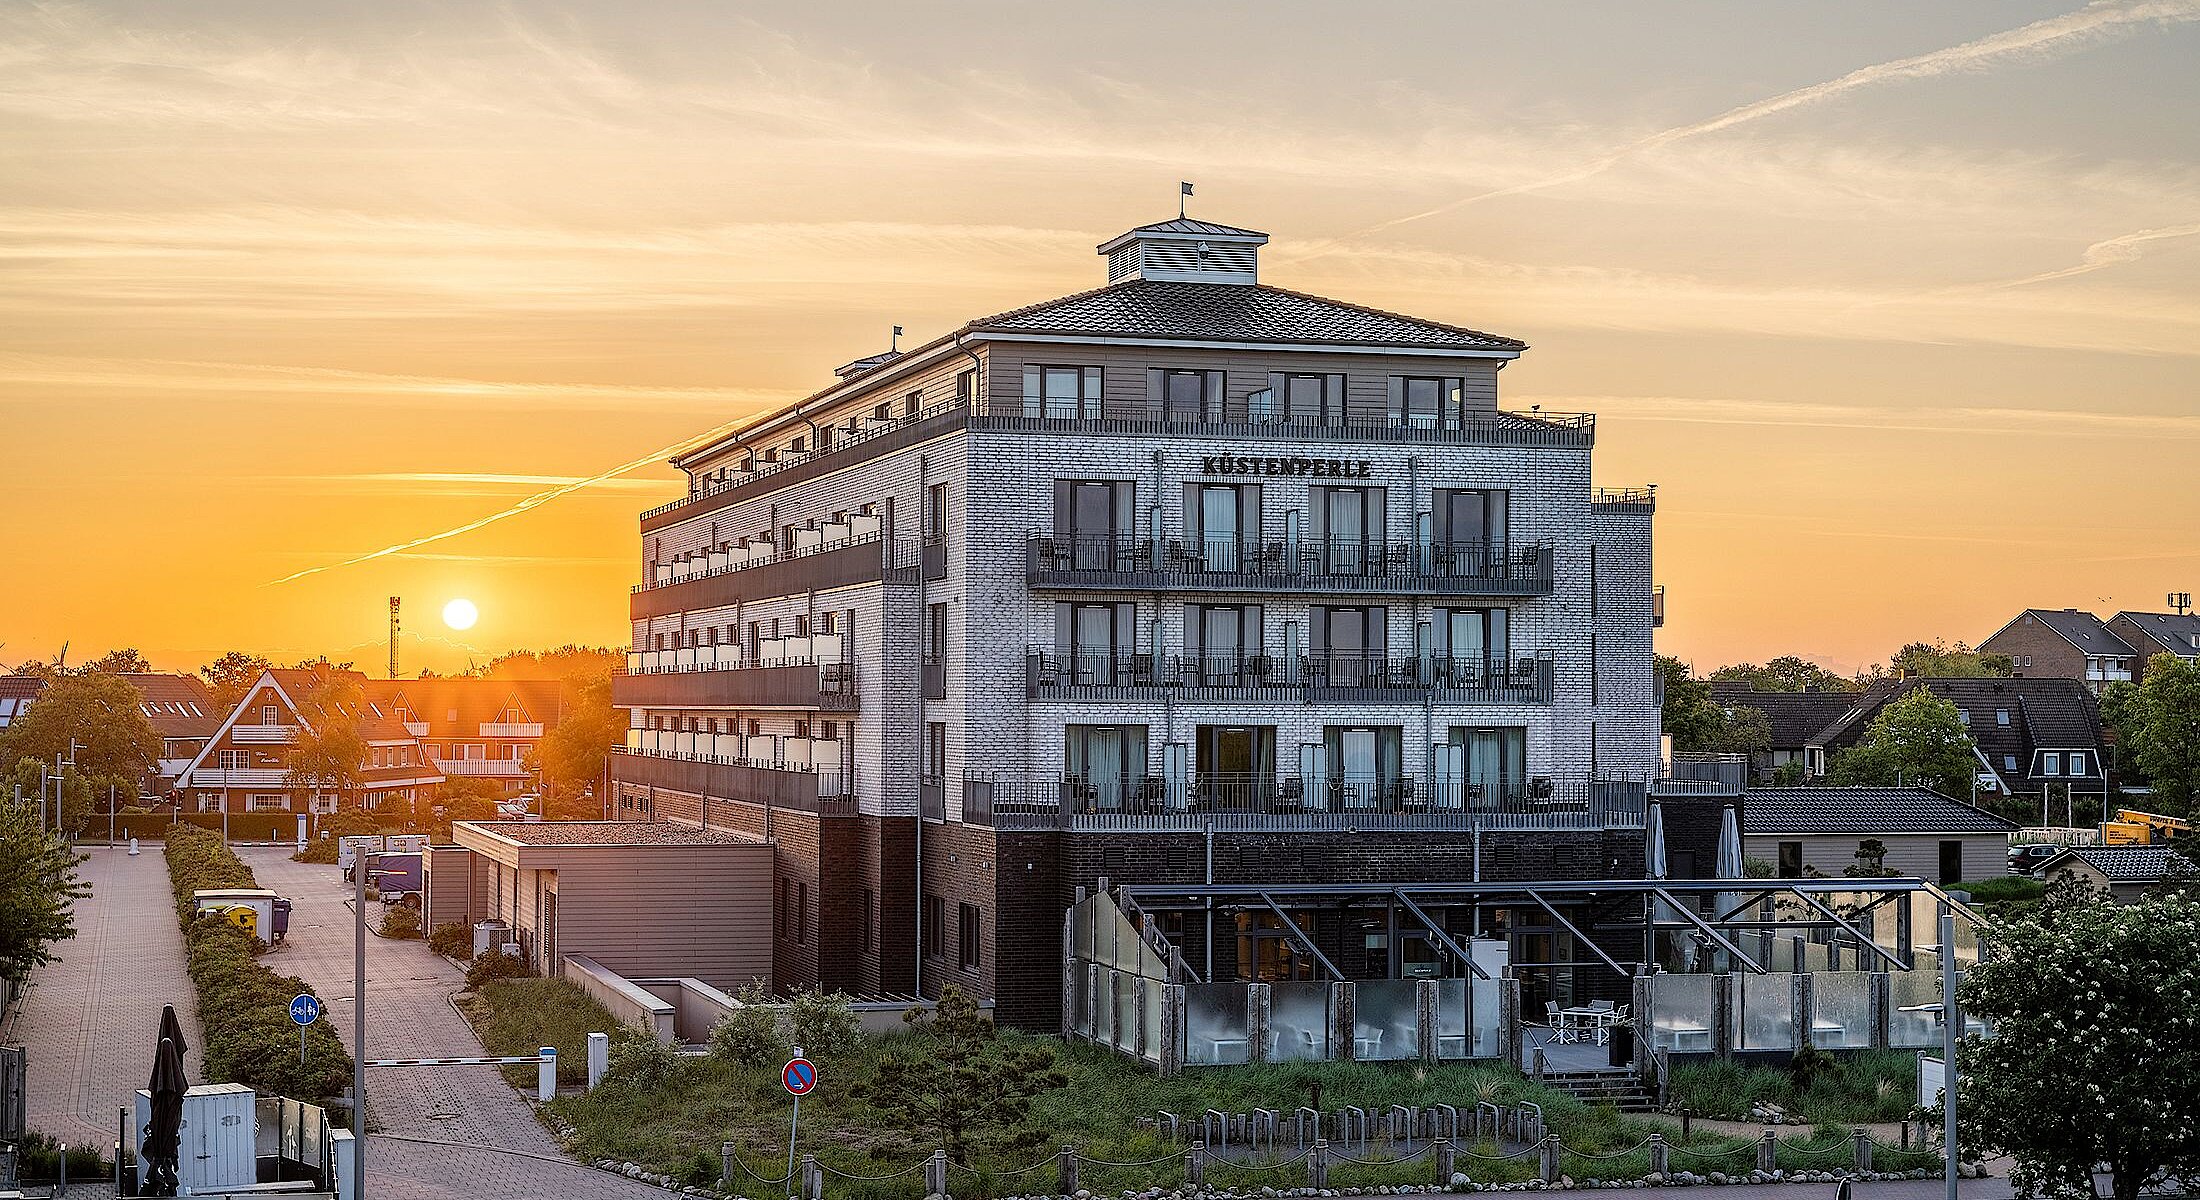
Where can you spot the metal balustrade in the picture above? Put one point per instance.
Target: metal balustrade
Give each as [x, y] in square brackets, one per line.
[1329, 565]
[1335, 677]
[826, 686]
[793, 785]
[1280, 801]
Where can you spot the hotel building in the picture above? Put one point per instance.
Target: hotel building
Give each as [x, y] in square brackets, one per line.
[1184, 579]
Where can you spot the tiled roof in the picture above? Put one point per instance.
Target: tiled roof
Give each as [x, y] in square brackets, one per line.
[610, 833]
[2125, 864]
[179, 706]
[1192, 225]
[458, 707]
[2044, 714]
[1144, 308]
[21, 687]
[2177, 633]
[1796, 717]
[2081, 629]
[1862, 810]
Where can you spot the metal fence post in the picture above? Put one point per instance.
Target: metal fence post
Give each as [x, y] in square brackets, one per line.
[1317, 1164]
[1195, 1166]
[1862, 1140]
[1065, 1171]
[599, 1058]
[1660, 1162]
[1446, 1162]
[546, 1075]
[1768, 1150]
[1551, 1148]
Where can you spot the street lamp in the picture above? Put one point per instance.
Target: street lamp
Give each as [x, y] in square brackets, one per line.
[1950, 1015]
[359, 1029]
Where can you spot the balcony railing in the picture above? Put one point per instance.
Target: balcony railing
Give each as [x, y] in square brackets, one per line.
[1330, 565]
[507, 768]
[1260, 678]
[798, 786]
[1331, 802]
[263, 734]
[1139, 418]
[1638, 499]
[816, 567]
[511, 729]
[827, 687]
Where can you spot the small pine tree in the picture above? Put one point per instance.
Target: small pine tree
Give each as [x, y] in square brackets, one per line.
[963, 1080]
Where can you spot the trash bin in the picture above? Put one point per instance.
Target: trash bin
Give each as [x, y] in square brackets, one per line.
[282, 918]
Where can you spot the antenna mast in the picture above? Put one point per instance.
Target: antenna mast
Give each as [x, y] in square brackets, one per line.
[2181, 601]
[394, 602]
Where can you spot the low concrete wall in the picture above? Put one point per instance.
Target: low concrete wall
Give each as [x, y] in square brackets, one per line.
[697, 1006]
[629, 1003]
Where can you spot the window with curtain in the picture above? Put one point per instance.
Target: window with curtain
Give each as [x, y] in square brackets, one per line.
[1062, 392]
[1497, 761]
[1350, 644]
[1093, 521]
[1222, 523]
[1224, 641]
[1305, 399]
[1094, 640]
[1473, 645]
[1469, 528]
[1346, 524]
[1366, 764]
[1106, 764]
[1427, 401]
[1181, 395]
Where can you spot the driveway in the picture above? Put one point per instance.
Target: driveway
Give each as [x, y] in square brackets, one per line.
[90, 1022]
[438, 1133]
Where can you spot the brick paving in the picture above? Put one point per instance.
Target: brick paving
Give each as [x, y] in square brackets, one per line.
[90, 1022]
[426, 1122]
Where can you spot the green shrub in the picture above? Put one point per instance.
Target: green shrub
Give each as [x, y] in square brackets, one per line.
[400, 921]
[749, 1035]
[493, 965]
[2003, 890]
[638, 1061]
[451, 939]
[824, 1025]
[519, 1016]
[38, 1157]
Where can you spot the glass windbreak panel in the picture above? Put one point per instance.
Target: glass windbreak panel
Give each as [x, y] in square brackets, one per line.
[1298, 1022]
[1764, 1012]
[1217, 1024]
[1082, 926]
[1487, 996]
[1080, 999]
[1682, 1009]
[1151, 1016]
[1841, 1010]
[1103, 1025]
[1452, 1024]
[1913, 989]
[1127, 943]
[1127, 1024]
[1386, 1020]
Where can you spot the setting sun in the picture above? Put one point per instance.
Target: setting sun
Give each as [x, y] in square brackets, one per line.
[460, 614]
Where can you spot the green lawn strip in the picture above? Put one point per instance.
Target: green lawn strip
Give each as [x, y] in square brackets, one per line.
[1870, 1086]
[521, 1016]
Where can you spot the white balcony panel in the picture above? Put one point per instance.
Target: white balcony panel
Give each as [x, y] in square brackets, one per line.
[511, 729]
[263, 734]
[505, 768]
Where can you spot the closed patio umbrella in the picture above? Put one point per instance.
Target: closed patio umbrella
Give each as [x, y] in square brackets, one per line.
[163, 1141]
[1729, 863]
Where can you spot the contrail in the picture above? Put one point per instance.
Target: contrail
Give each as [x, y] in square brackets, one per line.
[2095, 21]
[2108, 253]
[531, 502]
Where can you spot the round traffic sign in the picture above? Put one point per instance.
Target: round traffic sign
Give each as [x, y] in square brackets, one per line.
[305, 1009]
[800, 1075]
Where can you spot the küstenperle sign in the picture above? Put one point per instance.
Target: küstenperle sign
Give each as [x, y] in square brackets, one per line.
[1317, 468]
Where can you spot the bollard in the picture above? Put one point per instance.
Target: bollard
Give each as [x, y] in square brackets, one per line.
[546, 1075]
[1768, 1150]
[1862, 1140]
[1446, 1162]
[1195, 1166]
[1660, 1161]
[1551, 1148]
[599, 1058]
[935, 1173]
[1317, 1165]
[813, 1178]
[1065, 1172]
[725, 1163]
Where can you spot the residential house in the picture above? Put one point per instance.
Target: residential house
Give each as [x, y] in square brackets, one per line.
[245, 766]
[1926, 835]
[1796, 719]
[2034, 738]
[183, 713]
[476, 728]
[2044, 643]
[16, 694]
[2150, 634]
[2124, 872]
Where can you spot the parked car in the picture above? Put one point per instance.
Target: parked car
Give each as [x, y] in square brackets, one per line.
[2026, 859]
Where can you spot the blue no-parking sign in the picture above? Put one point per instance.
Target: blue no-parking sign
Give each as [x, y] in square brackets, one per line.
[305, 1009]
[800, 1075]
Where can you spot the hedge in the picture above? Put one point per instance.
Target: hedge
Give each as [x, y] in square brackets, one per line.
[244, 1006]
[243, 827]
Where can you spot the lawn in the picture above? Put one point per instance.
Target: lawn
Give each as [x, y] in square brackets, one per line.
[1870, 1086]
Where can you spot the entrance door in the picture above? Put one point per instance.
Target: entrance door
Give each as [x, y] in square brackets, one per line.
[1236, 764]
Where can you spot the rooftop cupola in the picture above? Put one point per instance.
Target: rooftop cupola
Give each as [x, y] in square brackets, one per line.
[1185, 251]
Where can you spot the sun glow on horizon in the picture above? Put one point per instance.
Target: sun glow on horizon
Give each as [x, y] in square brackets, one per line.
[461, 614]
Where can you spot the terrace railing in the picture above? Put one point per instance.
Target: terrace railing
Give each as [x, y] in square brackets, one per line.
[1330, 564]
[1337, 801]
[1336, 677]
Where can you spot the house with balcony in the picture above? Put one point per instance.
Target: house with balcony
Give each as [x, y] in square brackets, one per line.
[182, 711]
[2064, 643]
[1187, 578]
[2149, 634]
[2035, 739]
[247, 764]
[470, 728]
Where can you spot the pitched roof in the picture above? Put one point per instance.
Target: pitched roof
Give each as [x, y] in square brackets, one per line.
[179, 706]
[1796, 717]
[16, 694]
[1193, 225]
[1862, 810]
[2044, 714]
[2177, 633]
[1145, 308]
[2125, 864]
[457, 707]
[2081, 629]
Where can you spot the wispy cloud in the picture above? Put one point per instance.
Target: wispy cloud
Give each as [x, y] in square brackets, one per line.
[2125, 248]
[1967, 421]
[2027, 43]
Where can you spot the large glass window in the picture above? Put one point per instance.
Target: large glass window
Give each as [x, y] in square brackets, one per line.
[1224, 641]
[1348, 528]
[1310, 399]
[1062, 392]
[1093, 521]
[1496, 761]
[1469, 529]
[1235, 764]
[1350, 645]
[1180, 395]
[1222, 523]
[1105, 765]
[1095, 641]
[1473, 645]
[1365, 764]
[1427, 401]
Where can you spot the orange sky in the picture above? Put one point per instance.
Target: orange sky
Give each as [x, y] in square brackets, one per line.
[1901, 309]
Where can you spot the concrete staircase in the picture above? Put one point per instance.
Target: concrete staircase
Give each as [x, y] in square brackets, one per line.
[1616, 1086]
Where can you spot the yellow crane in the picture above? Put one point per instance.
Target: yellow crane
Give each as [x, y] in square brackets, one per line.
[2134, 828]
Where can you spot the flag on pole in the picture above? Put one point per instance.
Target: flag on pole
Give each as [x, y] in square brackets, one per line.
[895, 343]
[1183, 189]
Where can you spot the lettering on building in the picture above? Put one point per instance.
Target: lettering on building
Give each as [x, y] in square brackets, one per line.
[1318, 468]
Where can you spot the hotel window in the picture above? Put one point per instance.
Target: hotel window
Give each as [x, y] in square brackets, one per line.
[1471, 641]
[1495, 761]
[1365, 763]
[1225, 642]
[1307, 399]
[968, 934]
[1093, 521]
[1427, 402]
[1062, 392]
[935, 633]
[867, 922]
[1347, 526]
[966, 386]
[1469, 527]
[935, 750]
[884, 412]
[1223, 522]
[1791, 860]
[1094, 641]
[1350, 644]
[824, 437]
[1181, 396]
[935, 915]
[1107, 762]
[912, 403]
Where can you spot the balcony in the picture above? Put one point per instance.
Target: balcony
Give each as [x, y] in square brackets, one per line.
[874, 438]
[1137, 418]
[511, 729]
[215, 777]
[1335, 566]
[491, 768]
[811, 568]
[1319, 679]
[1335, 803]
[1629, 500]
[263, 735]
[826, 687]
[778, 784]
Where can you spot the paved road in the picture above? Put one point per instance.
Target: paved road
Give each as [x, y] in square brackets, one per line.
[91, 1022]
[409, 1015]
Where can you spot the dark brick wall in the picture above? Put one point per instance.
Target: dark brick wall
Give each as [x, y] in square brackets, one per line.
[2052, 655]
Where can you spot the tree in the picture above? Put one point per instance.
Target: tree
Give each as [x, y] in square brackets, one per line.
[963, 1079]
[1742, 730]
[231, 676]
[572, 755]
[1939, 659]
[38, 883]
[2158, 730]
[104, 717]
[1917, 740]
[1787, 673]
[1691, 718]
[331, 752]
[2096, 1055]
[125, 661]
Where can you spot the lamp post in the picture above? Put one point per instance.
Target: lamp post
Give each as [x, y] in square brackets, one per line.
[1951, 1027]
